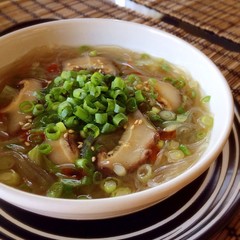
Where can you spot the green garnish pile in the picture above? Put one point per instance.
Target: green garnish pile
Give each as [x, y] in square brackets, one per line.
[92, 103]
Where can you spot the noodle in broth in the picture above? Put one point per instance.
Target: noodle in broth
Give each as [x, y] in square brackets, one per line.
[98, 121]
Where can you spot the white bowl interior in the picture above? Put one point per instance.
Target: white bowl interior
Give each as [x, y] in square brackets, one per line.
[137, 37]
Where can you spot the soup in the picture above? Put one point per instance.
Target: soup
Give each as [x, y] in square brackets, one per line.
[98, 121]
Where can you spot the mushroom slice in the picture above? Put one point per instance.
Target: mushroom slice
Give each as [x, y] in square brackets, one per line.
[12, 110]
[63, 151]
[134, 145]
[168, 95]
[91, 63]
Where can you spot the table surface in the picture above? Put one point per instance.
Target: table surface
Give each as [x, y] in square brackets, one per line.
[220, 42]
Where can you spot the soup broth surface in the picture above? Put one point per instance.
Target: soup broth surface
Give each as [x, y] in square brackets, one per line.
[98, 121]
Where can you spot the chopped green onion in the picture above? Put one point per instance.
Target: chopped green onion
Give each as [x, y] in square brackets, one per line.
[108, 128]
[65, 110]
[131, 104]
[180, 110]
[182, 117]
[206, 99]
[79, 93]
[121, 191]
[93, 53]
[184, 149]
[26, 106]
[68, 85]
[90, 107]
[193, 93]
[58, 80]
[200, 135]
[97, 78]
[144, 173]
[86, 180]
[84, 48]
[10, 177]
[165, 66]
[110, 105]
[71, 122]
[56, 190]
[179, 83]
[45, 148]
[132, 78]
[152, 81]
[82, 114]
[52, 132]
[119, 108]
[139, 97]
[206, 121]
[97, 177]
[154, 117]
[175, 155]
[167, 115]
[38, 109]
[85, 165]
[101, 118]
[71, 183]
[81, 79]
[110, 184]
[155, 110]
[100, 105]
[91, 129]
[119, 95]
[61, 126]
[118, 83]
[120, 119]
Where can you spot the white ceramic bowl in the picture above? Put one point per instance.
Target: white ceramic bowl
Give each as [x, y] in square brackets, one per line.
[141, 38]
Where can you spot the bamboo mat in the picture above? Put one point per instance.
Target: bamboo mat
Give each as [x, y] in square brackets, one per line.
[18, 11]
[221, 17]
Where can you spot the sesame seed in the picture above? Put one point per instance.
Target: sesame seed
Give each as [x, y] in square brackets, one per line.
[146, 89]
[28, 116]
[110, 153]
[92, 148]
[140, 121]
[70, 131]
[21, 123]
[80, 144]
[132, 127]
[136, 122]
[27, 144]
[93, 159]
[65, 135]
[26, 126]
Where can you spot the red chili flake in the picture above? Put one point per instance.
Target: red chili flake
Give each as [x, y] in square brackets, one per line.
[153, 153]
[167, 135]
[72, 172]
[53, 68]
[23, 135]
[36, 137]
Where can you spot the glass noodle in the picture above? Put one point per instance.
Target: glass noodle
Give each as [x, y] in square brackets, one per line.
[98, 121]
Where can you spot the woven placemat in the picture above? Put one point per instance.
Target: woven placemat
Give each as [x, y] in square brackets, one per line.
[13, 12]
[18, 11]
[219, 16]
